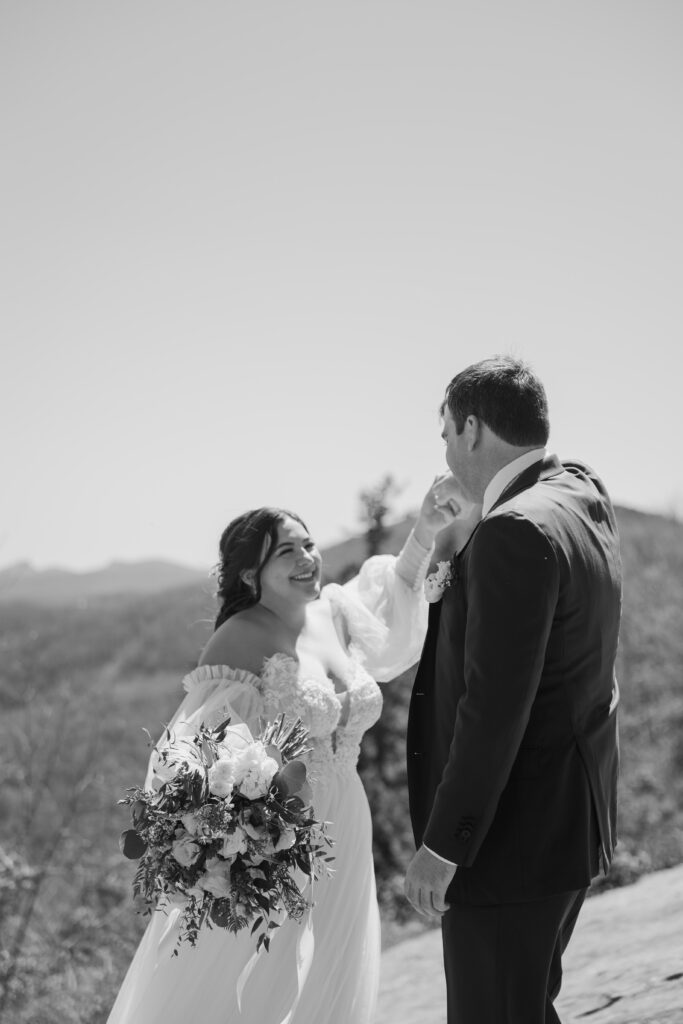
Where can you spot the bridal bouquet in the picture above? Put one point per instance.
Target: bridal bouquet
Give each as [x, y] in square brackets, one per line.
[225, 829]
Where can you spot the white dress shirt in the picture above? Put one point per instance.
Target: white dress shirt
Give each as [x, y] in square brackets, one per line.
[496, 486]
[507, 474]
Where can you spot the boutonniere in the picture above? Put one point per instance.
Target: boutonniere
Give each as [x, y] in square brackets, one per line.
[436, 582]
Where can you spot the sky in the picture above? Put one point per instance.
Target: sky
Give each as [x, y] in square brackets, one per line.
[244, 247]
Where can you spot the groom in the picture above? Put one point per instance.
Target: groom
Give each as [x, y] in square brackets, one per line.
[512, 733]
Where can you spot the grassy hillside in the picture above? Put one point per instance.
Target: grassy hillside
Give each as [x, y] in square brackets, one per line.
[77, 685]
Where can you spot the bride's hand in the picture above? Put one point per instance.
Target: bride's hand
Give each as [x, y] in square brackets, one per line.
[443, 504]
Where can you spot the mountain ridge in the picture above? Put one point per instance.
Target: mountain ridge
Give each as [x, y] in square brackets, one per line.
[22, 583]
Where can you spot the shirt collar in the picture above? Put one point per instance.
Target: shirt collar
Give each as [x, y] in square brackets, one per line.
[507, 474]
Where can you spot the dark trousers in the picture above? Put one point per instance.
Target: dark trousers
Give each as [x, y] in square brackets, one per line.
[504, 963]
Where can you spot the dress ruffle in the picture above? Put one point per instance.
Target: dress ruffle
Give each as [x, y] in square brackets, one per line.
[207, 673]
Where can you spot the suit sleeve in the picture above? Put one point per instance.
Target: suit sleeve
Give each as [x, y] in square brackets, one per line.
[512, 590]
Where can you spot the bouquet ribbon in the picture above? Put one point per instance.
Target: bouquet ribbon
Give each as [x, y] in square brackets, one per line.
[305, 947]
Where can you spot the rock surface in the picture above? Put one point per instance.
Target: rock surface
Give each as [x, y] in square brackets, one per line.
[624, 964]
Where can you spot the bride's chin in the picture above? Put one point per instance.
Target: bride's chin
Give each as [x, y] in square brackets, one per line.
[304, 595]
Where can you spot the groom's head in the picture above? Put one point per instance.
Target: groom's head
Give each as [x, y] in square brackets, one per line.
[493, 412]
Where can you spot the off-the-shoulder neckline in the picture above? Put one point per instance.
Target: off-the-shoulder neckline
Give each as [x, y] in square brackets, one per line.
[241, 675]
[203, 673]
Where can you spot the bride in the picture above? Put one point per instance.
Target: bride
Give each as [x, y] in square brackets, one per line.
[283, 645]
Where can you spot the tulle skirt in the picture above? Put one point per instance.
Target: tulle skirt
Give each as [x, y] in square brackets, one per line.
[324, 971]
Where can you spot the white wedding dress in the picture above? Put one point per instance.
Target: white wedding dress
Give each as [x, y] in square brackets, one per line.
[324, 970]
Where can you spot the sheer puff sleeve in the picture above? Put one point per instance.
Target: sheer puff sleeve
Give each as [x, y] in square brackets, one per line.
[383, 612]
[212, 694]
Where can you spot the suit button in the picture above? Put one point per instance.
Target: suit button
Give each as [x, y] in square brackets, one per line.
[466, 833]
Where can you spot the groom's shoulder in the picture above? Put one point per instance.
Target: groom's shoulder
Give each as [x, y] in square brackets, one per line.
[580, 469]
[584, 476]
[558, 498]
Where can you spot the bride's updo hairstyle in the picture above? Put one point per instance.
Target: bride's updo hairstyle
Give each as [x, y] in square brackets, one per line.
[246, 545]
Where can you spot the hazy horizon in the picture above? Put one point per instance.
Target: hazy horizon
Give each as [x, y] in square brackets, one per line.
[350, 534]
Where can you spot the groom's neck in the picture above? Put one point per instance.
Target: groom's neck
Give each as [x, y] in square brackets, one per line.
[496, 456]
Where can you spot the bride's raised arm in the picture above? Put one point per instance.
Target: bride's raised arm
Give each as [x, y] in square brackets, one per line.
[383, 609]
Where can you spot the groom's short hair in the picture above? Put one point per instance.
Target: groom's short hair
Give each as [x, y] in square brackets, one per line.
[506, 395]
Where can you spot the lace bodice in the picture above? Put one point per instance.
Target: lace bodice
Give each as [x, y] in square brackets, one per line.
[284, 687]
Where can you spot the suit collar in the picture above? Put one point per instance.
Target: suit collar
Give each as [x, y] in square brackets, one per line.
[509, 472]
[544, 469]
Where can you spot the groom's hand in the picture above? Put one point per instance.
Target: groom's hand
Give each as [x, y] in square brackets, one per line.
[427, 880]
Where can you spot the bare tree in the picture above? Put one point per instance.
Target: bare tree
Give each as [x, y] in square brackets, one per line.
[375, 505]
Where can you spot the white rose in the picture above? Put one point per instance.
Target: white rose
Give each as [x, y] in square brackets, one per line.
[192, 823]
[254, 770]
[234, 843]
[186, 851]
[216, 880]
[255, 784]
[222, 776]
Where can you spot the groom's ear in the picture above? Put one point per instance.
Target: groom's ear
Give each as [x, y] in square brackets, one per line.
[472, 432]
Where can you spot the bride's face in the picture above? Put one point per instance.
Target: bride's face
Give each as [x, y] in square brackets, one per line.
[292, 573]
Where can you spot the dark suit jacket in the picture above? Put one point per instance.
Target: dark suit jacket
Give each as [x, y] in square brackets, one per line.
[512, 732]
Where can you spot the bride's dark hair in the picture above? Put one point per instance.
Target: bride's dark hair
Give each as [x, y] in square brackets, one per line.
[245, 546]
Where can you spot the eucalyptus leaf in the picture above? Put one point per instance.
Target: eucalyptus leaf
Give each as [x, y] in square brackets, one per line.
[131, 844]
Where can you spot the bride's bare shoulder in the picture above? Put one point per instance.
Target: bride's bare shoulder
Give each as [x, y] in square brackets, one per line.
[241, 642]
